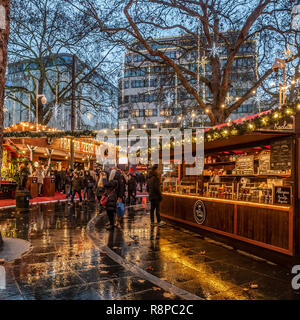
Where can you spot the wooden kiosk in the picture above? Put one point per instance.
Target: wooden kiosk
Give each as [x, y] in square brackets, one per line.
[248, 192]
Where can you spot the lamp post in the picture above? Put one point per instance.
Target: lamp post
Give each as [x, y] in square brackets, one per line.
[43, 100]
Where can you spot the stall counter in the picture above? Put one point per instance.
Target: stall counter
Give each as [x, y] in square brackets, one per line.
[266, 225]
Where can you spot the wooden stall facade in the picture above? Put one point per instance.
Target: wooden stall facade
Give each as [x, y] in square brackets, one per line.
[273, 226]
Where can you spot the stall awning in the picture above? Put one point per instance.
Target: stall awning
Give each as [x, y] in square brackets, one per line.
[245, 139]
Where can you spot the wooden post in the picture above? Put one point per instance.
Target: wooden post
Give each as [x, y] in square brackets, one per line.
[31, 151]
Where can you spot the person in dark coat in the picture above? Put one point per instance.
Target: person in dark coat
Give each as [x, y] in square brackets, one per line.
[63, 173]
[132, 184]
[76, 186]
[121, 184]
[57, 180]
[69, 177]
[111, 206]
[155, 195]
[87, 180]
[23, 175]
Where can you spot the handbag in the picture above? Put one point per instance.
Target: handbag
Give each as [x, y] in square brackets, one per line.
[120, 209]
[104, 200]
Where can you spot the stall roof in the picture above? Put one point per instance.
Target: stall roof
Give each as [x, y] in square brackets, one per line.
[245, 139]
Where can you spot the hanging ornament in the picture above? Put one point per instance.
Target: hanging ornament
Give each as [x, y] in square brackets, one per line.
[170, 98]
[214, 50]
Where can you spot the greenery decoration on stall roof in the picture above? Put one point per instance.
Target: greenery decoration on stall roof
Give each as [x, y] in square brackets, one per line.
[263, 121]
[44, 134]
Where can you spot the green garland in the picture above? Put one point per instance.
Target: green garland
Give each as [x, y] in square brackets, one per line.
[263, 121]
[47, 134]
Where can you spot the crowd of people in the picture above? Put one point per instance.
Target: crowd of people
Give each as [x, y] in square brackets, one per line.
[113, 189]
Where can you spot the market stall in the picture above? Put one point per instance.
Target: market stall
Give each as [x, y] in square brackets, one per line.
[52, 148]
[247, 191]
[11, 158]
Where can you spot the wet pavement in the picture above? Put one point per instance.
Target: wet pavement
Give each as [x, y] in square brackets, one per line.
[69, 261]
[64, 263]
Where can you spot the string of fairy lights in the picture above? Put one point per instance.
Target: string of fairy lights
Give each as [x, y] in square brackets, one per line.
[264, 120]
[261, 121]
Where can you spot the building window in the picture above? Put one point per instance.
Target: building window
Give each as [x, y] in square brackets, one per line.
[153, 82]
[167, 82]
[126, 84]
[135, 113]
[151, 113]
[128, 58]
[247, 108]
[171, 54]
[134, 98]
[143, 83]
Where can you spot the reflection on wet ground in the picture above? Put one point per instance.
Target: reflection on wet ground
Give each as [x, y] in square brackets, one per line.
[201, 267]
[65, 264]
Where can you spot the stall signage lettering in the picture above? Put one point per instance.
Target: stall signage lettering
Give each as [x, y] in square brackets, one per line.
[283, 126]
[199, 212]
[264, 163]
[245, 165]
[85, 147]
[281, 155]
[282, 195]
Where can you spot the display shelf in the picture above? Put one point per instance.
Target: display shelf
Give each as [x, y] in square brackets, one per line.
[253, 175]
[219, 163]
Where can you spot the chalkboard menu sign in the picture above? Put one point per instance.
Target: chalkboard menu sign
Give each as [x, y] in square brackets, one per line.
[282, 195]
[244, 165]
[264, 162]
[281, 154]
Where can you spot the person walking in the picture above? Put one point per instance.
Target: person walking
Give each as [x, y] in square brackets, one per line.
[40, 174]
[69, 177]
[155, 195]
[76, 187]
[88, 183]
[63, 180]
[132, 185]
[57, 180]
[24, 173]
[102, 180]
[111, 205]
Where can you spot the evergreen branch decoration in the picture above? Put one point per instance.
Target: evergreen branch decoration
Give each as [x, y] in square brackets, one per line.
[263, 121]
[45, 134]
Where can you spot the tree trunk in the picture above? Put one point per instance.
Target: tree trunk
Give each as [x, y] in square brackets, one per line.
[4, 34]
[73, 113]
[217, 116]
